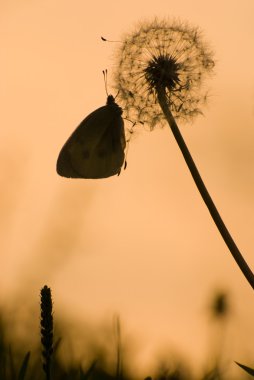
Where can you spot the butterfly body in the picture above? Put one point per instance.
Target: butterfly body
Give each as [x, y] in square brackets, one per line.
[96, 148]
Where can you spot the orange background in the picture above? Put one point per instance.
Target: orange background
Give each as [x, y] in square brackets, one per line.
[143, 244]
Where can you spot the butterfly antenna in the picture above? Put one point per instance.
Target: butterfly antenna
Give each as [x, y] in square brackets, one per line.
[105, 76]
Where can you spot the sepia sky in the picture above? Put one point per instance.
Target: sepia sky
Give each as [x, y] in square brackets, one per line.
[142, 244]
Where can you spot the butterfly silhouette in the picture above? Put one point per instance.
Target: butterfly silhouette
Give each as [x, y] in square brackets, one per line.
[96, 148]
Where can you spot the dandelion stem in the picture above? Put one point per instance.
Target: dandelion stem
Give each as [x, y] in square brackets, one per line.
[162, 99]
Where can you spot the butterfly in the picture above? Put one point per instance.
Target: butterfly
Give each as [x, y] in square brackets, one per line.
[96, 147]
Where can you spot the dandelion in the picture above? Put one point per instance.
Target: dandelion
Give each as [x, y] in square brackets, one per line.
[160, 75]
[220, 306]
[163, 56]
[220, 310]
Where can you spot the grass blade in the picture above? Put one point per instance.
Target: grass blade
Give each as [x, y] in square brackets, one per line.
[249, 370]
[24, 365]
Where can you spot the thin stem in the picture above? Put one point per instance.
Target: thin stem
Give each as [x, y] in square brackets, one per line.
[203, 191]
[118, 348]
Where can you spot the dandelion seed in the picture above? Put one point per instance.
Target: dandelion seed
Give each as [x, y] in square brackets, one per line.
[163, 55]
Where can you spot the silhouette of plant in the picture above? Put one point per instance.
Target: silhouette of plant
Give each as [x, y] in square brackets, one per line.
[160, 72]
[46, 330]
[15, 365]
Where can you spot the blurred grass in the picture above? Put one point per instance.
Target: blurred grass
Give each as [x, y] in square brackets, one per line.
[17, 363]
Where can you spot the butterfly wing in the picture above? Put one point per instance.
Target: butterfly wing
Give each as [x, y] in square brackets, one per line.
[96, 148]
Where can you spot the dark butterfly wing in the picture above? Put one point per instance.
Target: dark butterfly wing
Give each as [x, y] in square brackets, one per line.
[96, 148]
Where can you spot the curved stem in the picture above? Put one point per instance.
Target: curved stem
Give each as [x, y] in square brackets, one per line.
[203, 191]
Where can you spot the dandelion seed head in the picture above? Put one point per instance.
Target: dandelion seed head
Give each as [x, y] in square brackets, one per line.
[168, 55]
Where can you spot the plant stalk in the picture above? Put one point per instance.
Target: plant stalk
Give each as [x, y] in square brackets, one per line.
[162, 99]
